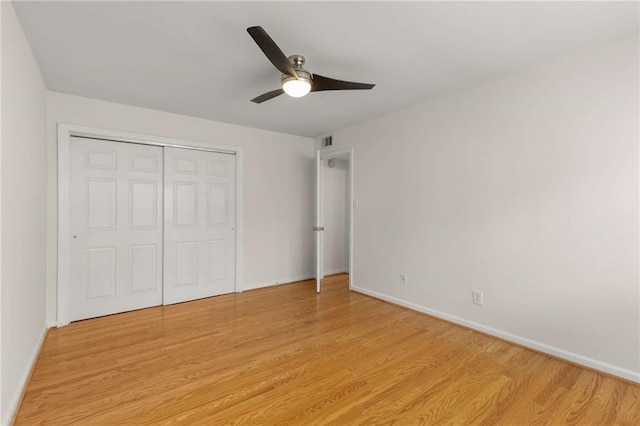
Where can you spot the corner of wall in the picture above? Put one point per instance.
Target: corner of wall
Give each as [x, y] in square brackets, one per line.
[23, 325]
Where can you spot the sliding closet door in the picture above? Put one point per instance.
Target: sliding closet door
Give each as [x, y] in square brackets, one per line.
[199, 233]
[116, 225]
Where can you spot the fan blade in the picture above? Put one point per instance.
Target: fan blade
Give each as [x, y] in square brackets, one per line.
[266, 96]
[272, 51]
[325, 83]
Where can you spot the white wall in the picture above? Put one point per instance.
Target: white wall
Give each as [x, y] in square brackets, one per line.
[24, 203]
[525, 188]
[334, 216]
[278, 184]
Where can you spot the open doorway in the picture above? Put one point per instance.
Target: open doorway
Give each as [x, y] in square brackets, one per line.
[334, 213]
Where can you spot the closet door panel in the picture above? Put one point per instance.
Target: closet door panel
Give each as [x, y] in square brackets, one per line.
[116, 217]
[199, 234]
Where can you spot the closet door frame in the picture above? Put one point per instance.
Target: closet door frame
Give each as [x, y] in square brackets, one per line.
[65, 132]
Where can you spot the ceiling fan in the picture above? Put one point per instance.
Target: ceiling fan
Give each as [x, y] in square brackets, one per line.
[296, 81]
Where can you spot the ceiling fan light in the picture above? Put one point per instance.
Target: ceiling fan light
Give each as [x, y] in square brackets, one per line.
[296, 88]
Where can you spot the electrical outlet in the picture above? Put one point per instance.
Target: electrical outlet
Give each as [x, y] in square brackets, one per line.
[477, 297]
[403, 279]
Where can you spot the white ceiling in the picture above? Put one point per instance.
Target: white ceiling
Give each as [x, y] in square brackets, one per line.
[196, 58]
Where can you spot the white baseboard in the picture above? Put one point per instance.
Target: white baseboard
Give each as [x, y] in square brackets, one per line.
[277, 282]
[335, 271]
[22, 384]
[52, 324]
[532, 344]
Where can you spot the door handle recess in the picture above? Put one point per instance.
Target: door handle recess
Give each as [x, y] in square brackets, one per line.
[318, 228]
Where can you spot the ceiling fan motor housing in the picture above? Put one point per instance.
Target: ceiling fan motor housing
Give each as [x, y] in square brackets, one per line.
[297, 61]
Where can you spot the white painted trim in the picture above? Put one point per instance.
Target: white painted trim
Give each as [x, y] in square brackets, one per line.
[64, 224]
[318, 223]
[118, 136]
[65, 132]
[10, 411]
[325, 154]
[352, 166]
[336, 271]
[279, 282]
[239, 221]
[532, 344]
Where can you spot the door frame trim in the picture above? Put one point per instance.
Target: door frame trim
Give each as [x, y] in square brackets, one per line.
[326, 154]
[65, 132]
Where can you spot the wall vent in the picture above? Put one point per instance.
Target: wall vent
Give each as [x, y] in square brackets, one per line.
[327, 141]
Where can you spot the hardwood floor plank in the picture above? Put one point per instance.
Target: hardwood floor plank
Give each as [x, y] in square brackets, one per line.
[285, 355]
[628, 412]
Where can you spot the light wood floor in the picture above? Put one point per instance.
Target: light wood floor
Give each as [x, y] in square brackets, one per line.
[284, 355]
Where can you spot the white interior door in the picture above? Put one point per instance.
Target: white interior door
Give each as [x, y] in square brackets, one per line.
[318, 228]
[116, 226]
[199, 238]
